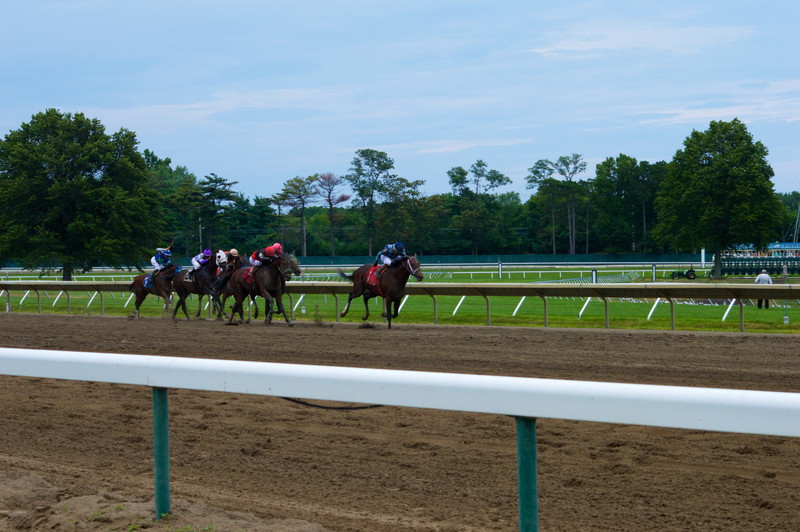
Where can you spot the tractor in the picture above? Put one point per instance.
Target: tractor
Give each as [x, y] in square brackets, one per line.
[689, 274]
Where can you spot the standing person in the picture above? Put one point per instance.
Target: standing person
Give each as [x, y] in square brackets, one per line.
[763, 278]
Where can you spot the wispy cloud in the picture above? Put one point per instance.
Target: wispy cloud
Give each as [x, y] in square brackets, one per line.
[749, 101]
[601, 38]
[182, 115]
[449, 146]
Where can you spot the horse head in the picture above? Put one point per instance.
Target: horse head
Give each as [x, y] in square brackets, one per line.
[413, 267]
[295, 264]
[222, 260]
[283, 264]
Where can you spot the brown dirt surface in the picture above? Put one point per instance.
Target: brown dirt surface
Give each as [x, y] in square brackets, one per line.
[78, 455]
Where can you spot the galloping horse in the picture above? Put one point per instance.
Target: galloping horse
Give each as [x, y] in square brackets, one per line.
[267, 281]
[160, 287]
[201, 283]
[391, 286]
[223, 288]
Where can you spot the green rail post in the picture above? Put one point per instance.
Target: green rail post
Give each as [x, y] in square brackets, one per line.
[161, 450]
[526, 473]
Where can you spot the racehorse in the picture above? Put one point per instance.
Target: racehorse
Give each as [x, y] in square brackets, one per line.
[224, 289]
[391, 286]
[201, 283]
[267, 281]
[160, 287]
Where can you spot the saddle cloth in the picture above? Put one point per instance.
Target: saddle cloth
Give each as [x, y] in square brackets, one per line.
[373, 282]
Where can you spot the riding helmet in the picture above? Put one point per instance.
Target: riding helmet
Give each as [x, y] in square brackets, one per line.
[207, 252]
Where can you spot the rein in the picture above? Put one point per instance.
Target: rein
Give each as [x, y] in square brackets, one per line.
[412, 271]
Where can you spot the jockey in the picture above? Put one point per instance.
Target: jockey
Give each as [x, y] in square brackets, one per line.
[388, 256]
[261, 256]
[234, 259]
[160, 260]
[197, 261]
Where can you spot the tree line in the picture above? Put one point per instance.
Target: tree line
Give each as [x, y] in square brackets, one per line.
[73, 197]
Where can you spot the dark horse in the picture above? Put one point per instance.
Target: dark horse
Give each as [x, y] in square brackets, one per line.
[201, 283]
[161, 286]
[225, 290]
[267, 281]
[392, 286]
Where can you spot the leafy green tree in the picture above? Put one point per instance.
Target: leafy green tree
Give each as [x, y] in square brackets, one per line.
[75, 197]
[399, 211]
[791, 226]
[184, 205]
[327, 189]
[217, 196]
[368, 176]
[483, 179]
[477, 218]
[252, 224]
[572, 193]
[299, 193]
[718, 193]
[183, 199]
[622, 196]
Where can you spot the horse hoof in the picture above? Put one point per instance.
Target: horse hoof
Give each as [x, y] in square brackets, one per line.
[290, 323]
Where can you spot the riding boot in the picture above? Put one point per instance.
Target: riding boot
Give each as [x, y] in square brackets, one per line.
[380, 270]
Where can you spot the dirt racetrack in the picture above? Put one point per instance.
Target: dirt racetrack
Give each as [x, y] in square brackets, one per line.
[78, 455]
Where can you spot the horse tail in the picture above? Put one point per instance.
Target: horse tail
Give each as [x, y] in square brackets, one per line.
[347, 276]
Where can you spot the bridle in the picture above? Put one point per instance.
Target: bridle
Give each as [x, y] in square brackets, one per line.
[413, 271]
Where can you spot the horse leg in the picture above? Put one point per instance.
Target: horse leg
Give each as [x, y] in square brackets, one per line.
[347, 306]
[268, 311]
[218, 308]
[199, 305]
[222, 313]
[282, 310]
[366, 307]
[387, 311]
[139, 299]
[237, 306]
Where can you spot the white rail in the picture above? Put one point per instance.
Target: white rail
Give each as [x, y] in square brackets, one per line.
[747, 411]
[758, 412]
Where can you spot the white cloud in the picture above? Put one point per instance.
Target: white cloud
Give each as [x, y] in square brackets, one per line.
[600, 37]
[448, 146]
[749, 101]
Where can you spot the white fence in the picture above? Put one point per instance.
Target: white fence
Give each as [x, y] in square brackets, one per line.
[757, 412]
[668, 292]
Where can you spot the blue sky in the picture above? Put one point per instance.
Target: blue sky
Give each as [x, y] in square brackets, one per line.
[260, 92]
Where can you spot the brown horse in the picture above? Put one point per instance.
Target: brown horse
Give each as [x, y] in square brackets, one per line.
[392, 286]
[224, 289]
[161, 287]
[200, 283]
[267, 281]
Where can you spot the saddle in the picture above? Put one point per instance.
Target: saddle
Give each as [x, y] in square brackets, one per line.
[373, 282]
